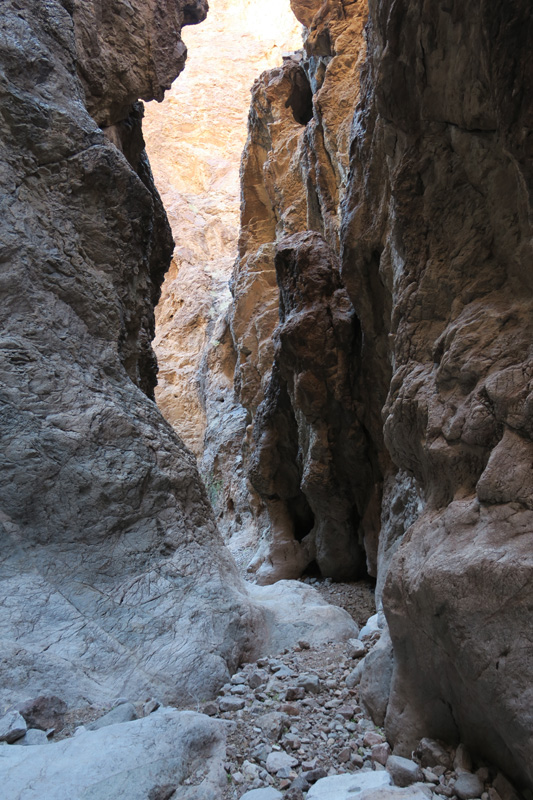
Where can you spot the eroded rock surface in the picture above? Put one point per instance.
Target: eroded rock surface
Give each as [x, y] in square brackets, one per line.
[429, 227]
[114, 578]
[437, 227]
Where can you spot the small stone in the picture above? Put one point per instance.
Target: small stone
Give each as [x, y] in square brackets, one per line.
[314, 775]
[257, 679]
[238, 679]
[311, 683]
[356, 648]
[355, 675]
[150, 706]
[273, 724]
[277, 760]
[211, 709]
[357, 760]
[300, 783]
[239, 690]
[430, 776]
[267, 793]
[231, 703]
[371, 738]
[44, 712]
[238, 777]
[12, 727]
[380, 753]
[292, 711]
[295, 693]
[467, 786]
[345, 754]
[34, 736]
[462, 761]
[304, 645]
[430, 752]
[124, 712]
[403, 771]
[504, 788]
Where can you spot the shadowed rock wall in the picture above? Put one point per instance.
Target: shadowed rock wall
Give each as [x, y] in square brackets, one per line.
[437, 227]
[114, 578]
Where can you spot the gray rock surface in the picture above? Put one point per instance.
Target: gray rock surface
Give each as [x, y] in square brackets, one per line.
[295, 611]
[345, 787]
[114, 580]
[128, 760]
[376, 678]
[12, 727]
[268, 793]
[32, 737]
[404, 771]
[468, 786]
[125, 712]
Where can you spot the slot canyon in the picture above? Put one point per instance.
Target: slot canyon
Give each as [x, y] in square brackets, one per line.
[266, 406]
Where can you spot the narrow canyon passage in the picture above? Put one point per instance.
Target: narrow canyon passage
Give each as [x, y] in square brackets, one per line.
[345, 344]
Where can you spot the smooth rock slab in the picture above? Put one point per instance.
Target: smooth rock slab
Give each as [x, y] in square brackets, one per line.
[125, 712]
[33, 737]
[348, 786]
[262, 794]
[128, 760]
[418, 792]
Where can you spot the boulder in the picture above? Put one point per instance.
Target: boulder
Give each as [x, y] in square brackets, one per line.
[133, 759]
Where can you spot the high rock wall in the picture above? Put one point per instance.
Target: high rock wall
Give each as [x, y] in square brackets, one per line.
[114, 578]
[382, 321]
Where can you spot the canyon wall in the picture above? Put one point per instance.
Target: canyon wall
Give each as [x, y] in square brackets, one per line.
[114, 578]
[382, 321]
[195, 140]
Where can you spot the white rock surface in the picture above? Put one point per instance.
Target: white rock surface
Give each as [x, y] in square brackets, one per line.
[128, 760]
[372, 625]
[295, 611]
[348, 786]
[267, 793]
[418, 792]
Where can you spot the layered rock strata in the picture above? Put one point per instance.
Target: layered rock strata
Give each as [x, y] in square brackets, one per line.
[114, 577]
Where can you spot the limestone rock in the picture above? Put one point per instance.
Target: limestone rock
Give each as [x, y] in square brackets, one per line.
[12, 727]
[114, 578]
[195, 140]
[404, 771]
[376, 678]
[436, 242]
[129, 760]
[293, 610]
[125, 712]
[468, 786]
[344, 787]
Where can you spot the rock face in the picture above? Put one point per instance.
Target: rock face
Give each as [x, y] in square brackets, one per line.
[400, 241]
[195, 140]
[298, 380]
[114, 579]
[150, 758]
[438, 228]
[108, 540]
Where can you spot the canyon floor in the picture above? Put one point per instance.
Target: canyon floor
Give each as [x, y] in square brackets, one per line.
[292, 727]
